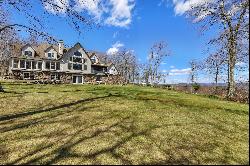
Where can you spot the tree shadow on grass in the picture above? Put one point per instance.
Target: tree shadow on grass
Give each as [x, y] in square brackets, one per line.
[24, 114]
[129, 131]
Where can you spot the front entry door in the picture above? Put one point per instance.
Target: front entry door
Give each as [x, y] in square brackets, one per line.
[77, 80]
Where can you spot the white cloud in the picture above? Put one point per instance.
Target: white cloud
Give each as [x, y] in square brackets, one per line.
[115, 48]
[121, 13]
[94, 7]
[56, 6]
[175, 72]
[111, 12]
[182, 6]
[172, 67]
[163, 63]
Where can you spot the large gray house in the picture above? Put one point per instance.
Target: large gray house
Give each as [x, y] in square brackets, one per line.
[55, 63]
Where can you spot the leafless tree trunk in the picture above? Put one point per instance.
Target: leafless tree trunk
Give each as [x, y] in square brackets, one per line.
[158, 53]
[233, 17]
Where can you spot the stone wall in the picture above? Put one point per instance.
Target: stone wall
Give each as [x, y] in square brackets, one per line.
[67, 77]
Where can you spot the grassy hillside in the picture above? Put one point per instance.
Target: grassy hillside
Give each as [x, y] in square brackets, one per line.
[84, 124]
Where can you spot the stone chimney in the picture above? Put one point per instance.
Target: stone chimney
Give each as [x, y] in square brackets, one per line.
[60, 47]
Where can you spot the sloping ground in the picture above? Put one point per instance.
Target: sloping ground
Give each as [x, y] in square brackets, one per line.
[83, 124]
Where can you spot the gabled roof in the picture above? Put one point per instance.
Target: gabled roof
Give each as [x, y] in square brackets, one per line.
[51, 47]
[39, 49]
[27, 45]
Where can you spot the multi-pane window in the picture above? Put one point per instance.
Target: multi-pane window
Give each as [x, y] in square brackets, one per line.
[22, 64]
[55, 76]
[34, 64]
[76, 61]
[50, 55]
[53, 65]
[47, 65]
[15, 63]
[28, 53]
[77, 66]
[57, 65]
[28, 64]
[39, 65]
[78, 54]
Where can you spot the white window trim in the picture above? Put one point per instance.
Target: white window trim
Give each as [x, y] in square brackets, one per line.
[24, 63]
[17, 64]
[72, 62]
[45, 68]
[30, 64]
[56, 76]
[28, 51]
[38, 65]
[52, 55]
[77, 79]
[51, 65]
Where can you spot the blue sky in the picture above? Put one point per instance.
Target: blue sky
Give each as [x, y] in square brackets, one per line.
[137, 25]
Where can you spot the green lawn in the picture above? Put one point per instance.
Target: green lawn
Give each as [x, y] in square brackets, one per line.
[86, 124]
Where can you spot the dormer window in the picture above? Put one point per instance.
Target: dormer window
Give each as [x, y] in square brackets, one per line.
[28, 53]
[51, 55]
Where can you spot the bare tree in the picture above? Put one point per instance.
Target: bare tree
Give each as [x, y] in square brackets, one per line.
[7, 38]
[215, 65]
[38, 21]
[232, 16]
[158, 52]
[126, 63]
[195, 68]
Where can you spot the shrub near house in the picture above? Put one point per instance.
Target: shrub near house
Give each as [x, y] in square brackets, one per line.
[55, 63]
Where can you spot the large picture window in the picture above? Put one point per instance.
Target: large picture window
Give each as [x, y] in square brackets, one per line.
[76, 61]
[78, 54]
[77, 66]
